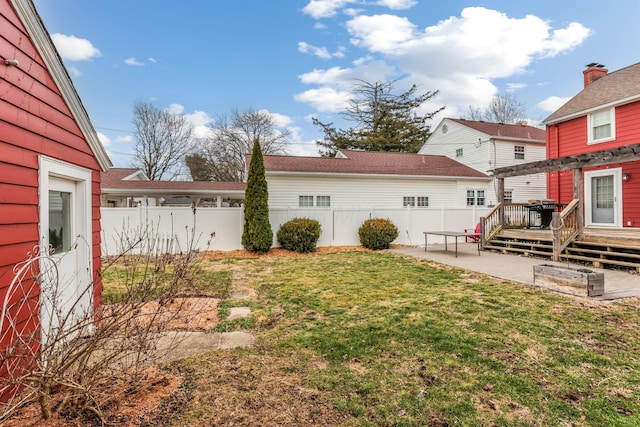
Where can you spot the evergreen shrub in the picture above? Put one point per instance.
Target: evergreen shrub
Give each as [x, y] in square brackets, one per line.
[299, 235]
[377, 233]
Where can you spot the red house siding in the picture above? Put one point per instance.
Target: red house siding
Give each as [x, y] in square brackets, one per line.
[570, 138]
[34, 120]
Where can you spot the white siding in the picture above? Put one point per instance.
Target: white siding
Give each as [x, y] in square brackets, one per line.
[525, 187]
[475, 148]
[368, 192]
[483, 154]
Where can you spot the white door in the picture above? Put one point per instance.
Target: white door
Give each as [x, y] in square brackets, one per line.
[65, 231]
[603, 197]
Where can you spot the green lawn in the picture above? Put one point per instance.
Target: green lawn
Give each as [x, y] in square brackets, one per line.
[375, 339]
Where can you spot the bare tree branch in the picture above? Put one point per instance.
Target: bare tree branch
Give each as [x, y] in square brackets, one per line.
[163, 139]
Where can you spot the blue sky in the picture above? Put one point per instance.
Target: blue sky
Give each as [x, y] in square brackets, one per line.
[298, 59]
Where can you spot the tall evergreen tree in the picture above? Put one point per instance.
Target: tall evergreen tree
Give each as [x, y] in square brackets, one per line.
[257, 235]
[383, 121]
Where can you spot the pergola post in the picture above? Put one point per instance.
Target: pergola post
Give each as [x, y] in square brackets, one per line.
[500, 196]
[578, 194]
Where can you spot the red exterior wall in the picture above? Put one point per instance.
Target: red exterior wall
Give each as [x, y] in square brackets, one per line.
[570, 138]
[34, 120]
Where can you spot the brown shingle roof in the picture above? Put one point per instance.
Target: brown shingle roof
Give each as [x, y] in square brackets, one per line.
[373, 163]
[615, 87]
[497, 130]
[115, 175]
[114, 180]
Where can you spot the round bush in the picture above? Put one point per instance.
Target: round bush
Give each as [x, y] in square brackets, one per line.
[377, 233]
[299, 235]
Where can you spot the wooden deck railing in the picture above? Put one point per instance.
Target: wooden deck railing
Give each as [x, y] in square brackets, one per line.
[509, 215]
[567, 230]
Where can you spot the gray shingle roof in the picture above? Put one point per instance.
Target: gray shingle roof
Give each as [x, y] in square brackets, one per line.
[618, 87]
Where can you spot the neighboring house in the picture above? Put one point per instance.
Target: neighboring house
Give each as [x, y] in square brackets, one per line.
[50, 166]
[485, 146]
[601, 123]
[128, 187]
[362, 179]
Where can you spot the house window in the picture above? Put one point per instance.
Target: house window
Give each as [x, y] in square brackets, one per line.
[475, 197]
[408, 201]
[518, 152]
[423, 202]
[601, 126]
[508, 196]
[459, 152]
[59, 221]
[323, 201]
[305, 201]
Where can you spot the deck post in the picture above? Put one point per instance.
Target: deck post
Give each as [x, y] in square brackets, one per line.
[577, 194]
[501, 200]
[556, 226]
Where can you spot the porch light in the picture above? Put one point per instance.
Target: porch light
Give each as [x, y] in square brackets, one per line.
[626, 176]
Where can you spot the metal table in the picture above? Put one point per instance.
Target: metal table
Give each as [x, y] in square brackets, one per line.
[455, 235]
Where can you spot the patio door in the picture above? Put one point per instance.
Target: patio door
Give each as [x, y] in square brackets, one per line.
[65, 239]
[603, 198]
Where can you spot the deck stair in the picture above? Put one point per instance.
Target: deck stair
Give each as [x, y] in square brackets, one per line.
[614, 249]
[522, 242]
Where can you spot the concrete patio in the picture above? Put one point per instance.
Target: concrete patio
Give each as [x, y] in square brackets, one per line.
[617, 284]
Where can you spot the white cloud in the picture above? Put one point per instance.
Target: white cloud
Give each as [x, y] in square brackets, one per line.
[104, 139]
[552, 103]
[133, 61]
[566, 39]
[380, 33]
[280, 120]
[327, 8]
[460, 56]
[320, 52]
[73, 48]
[199, 119]
[325, 99]
[397, 4]
[324, 8]
[152, 60]
[512, 87]
[74, 72]
[124, 139]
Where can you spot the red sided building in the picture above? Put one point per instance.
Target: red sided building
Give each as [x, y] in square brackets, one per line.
[603, 121]
[50, 166]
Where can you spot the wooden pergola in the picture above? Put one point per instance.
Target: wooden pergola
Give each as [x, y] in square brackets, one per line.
[574, 163]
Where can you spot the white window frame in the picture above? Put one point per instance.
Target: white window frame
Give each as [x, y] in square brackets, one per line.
[459, 152]
[510, 194]
[307, 198]
[590, 126]
[422, 201]
[409, 201]
[473, 197]
[320, 201]
[518, 152]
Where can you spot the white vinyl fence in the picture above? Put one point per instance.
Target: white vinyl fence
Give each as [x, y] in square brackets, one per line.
[163, 229]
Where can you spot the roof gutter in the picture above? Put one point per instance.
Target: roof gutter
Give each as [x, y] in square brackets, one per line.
[45, 47]
[581, 113]
[362, 175]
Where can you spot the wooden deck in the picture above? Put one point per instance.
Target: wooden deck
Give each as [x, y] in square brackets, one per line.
[598, 247]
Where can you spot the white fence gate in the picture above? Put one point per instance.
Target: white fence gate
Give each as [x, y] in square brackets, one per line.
[163, 229]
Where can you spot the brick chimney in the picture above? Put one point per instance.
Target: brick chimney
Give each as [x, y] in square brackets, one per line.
[593, 72]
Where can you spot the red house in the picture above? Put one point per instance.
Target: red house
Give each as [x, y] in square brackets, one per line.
[50, 166]
[603, 118]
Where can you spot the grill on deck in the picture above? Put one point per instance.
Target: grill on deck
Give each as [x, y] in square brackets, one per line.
[541, 212]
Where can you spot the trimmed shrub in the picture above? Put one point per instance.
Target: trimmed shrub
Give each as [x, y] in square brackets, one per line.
[377, 233]
[299, 235]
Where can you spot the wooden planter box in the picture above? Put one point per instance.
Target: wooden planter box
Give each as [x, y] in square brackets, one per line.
[579, 281]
